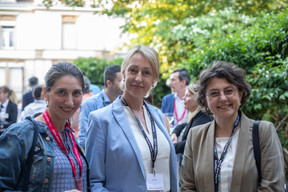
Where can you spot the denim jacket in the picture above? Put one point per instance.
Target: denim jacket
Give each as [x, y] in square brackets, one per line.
[15, 144]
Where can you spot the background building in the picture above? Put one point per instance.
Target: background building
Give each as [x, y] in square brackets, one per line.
[34, 37]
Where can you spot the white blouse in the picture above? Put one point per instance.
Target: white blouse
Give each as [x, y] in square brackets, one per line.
[228, 163]
[163, 158]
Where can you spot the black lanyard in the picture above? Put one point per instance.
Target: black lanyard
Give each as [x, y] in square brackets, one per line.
[103, 100]
[153, 150]
[218, 162]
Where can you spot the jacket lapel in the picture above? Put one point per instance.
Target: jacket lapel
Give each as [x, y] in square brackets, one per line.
[120, 115]
[208, 157]
[241, 154]
[8, 108]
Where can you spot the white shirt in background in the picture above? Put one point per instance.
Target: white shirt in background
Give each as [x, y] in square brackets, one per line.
[38, 106]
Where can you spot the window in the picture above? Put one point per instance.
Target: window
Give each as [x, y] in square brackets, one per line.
[16, 80]
[2, 75]
[7, 37]
[11, 74]
[69, 32]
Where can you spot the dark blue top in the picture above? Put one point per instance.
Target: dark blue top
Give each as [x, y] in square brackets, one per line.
[199, 119]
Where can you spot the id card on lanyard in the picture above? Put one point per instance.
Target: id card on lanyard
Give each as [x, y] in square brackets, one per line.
[218, 162]
[153, 181]
[59, 141]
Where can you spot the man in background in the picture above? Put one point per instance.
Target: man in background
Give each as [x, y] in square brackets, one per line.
[38, 106]
[112, 79]
[28, 97]
[173, 104]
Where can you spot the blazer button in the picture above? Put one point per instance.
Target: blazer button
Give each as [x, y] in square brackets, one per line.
[48, 159]
[46, 180]
[48, 138]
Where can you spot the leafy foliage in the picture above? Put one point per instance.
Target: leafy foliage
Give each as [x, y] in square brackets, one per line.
[261, 49]
[192, 34]
[94, 68]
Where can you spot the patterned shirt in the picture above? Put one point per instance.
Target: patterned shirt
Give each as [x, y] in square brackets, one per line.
[63, 178]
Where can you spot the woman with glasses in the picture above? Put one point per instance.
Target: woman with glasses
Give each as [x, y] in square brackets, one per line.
[219, 156]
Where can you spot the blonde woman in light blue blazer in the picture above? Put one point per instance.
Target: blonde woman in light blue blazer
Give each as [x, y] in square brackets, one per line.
[128, 147]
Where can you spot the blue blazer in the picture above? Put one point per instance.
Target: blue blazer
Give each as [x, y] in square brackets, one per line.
[113, 154]
[167, 105]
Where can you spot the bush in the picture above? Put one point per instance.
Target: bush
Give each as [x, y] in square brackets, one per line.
[94, 68]
[261, 49]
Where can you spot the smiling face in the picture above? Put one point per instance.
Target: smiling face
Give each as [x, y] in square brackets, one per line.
[138, 76]
[190, 102]
[225, 105]
[64, 98]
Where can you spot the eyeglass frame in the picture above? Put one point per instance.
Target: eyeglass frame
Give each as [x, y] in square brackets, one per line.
[235, 89]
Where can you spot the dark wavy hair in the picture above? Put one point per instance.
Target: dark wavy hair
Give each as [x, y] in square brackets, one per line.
[229, 71]
[183, 75]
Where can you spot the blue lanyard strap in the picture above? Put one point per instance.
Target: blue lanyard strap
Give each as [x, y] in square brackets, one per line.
[218, 162]
[153, 149]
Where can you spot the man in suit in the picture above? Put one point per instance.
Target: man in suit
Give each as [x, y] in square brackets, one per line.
[8, 109]
[173, 104]
[112, 79]
[28, 97]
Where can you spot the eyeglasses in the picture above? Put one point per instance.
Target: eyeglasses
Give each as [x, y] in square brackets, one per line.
[228, 92]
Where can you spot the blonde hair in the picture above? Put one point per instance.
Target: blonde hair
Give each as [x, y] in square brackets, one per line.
[193, 89]
[12, 96]
[151, 55]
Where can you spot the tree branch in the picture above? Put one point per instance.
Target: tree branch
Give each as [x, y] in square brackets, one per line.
[282, 122]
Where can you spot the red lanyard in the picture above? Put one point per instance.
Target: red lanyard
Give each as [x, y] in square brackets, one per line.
[61, 144]
[175, 111]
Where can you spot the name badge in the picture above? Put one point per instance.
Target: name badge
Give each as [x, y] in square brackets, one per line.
[154, 182]
[5, 115]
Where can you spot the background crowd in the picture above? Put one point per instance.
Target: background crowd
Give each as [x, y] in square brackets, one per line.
[128, 144]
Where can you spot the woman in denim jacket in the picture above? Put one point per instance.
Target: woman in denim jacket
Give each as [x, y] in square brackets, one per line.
[58, 164]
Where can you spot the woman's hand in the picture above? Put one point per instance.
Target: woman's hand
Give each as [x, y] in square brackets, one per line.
[174, 138]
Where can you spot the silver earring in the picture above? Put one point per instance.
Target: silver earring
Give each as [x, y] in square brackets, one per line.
[208, 110]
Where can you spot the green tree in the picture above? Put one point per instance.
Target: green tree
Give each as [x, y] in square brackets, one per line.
[155, 21]
[262, 50]
[192, 34]
[94, 68]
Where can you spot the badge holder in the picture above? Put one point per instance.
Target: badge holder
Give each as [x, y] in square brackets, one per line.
[154, 182]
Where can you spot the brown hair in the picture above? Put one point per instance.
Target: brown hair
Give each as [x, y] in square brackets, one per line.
[61, 69]
[229, 71]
